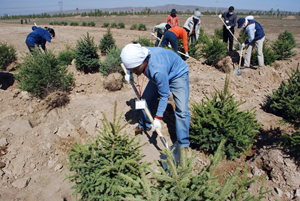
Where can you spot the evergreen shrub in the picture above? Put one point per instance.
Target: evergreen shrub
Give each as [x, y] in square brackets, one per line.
[51, 23]
[66, 56]
[74, 24]
[203, 37]
[107, 42]
[182, 182]
[292, 142]
[85, 54]
[285, 101]
[121, 25]
[112, 62]
[219, 33]
[106, 24]
[283, 46]
[113, 25]
[213, 50]
[96, 165]
[217, 119]
[133, 27]
[142, 27]
[269, 55]
[7, 55]
[92, 23]
[144, 42]
[84, 23]
[43, 74]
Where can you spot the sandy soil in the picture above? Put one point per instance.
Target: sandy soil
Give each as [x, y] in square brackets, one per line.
[36, 155]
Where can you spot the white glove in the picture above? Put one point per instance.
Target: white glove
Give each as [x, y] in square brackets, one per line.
[243, 45]
[156, 124]
[220, 16]
[127, 78]
[169, 46]
[152, 34]
[187, 55]
[228, 27]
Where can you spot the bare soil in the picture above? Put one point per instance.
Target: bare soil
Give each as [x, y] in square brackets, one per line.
[35, 139]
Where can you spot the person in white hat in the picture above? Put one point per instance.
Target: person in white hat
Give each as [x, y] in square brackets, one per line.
[193, 23]
[166, 72]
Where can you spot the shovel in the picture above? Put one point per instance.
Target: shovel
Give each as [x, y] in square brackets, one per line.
[176, 154]
[230, 31]
[238, 72]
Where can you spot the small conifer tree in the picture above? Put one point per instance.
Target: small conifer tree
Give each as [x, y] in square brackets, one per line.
[218, 118]
[7, 55]
[213, 50]
[85, 53]
[107, 42]
[66, 56]
[112, 62]
[96, 165]
[144, 42]
[283, 46]
[42, 74]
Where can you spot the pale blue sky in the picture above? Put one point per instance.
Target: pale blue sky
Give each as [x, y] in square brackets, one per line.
[16, 7]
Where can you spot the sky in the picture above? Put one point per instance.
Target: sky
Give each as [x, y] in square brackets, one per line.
[23, 7]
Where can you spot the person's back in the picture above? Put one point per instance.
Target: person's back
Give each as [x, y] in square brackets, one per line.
[38, 36]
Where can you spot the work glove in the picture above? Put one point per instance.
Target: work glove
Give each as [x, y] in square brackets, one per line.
[243, 45]
[156, 124]
[228, 27]
[169, 46]
[220, 16]
[127, 78]
[187, 55]
[152, 34]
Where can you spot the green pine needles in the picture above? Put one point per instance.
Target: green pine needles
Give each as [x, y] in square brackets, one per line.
[112, 62]
[283, 46]
[42, 74]
[7, 55]
[85, 53]
[96, 165]
[184, 183]
[213, 50]
[107, 42]
[218, 118]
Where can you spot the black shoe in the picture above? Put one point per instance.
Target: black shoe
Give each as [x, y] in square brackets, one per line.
[139, 130]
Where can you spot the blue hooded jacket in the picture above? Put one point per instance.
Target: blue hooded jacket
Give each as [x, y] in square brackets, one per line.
[39, 36]
[254, 31]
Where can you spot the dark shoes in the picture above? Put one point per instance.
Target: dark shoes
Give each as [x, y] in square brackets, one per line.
[139, 130]
[251, 67]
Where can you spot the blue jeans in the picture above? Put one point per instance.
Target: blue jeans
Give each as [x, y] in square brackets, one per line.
[172, 38]
[180, 90]
[157, 40]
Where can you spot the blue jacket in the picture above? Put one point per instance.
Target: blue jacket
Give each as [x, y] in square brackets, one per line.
[163, 67]
[254, 31]
[39, 36]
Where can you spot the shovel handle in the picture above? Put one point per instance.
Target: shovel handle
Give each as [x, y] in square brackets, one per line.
[241, 54]
[230, 31]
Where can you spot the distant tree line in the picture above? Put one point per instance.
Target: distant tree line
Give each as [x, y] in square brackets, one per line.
[147, 11]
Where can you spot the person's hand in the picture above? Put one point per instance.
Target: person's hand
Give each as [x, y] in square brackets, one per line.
[243, 45]
[127, 78]
[187, 55]
[228, 27]
[152, 34]
[220, 16]
[169, 46]
[156, 124]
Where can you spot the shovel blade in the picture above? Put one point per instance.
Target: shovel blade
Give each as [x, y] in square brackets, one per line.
[237, 72]
[176, 155]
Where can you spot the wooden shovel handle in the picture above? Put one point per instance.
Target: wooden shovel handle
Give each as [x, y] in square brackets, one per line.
[230, 31]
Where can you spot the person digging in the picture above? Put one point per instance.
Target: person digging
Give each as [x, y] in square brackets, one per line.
[166, 72]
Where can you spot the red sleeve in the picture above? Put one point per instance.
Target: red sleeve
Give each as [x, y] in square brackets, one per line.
[185, 38]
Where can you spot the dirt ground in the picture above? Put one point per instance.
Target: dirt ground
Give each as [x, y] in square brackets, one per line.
[34, 163]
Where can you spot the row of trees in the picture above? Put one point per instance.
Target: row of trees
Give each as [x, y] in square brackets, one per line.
[147, 11]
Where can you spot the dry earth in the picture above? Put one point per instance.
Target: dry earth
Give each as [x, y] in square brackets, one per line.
[33, 165]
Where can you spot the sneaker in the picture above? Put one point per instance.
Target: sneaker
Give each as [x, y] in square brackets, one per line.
[252, 67]
[139, 130]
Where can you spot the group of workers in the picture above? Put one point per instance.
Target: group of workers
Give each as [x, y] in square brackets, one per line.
[165, 70]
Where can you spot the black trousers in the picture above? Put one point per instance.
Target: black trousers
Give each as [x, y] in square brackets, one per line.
[227, 35]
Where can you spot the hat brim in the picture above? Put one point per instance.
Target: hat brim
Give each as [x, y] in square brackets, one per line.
[240, 26]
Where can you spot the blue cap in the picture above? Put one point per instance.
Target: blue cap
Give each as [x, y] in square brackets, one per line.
[240, 22]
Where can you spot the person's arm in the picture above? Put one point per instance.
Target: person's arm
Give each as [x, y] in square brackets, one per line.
[162, 83]
[176, 21]
[43, 44]
[34, 28]
[185, 41]
[250, 30]
[234, 20]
